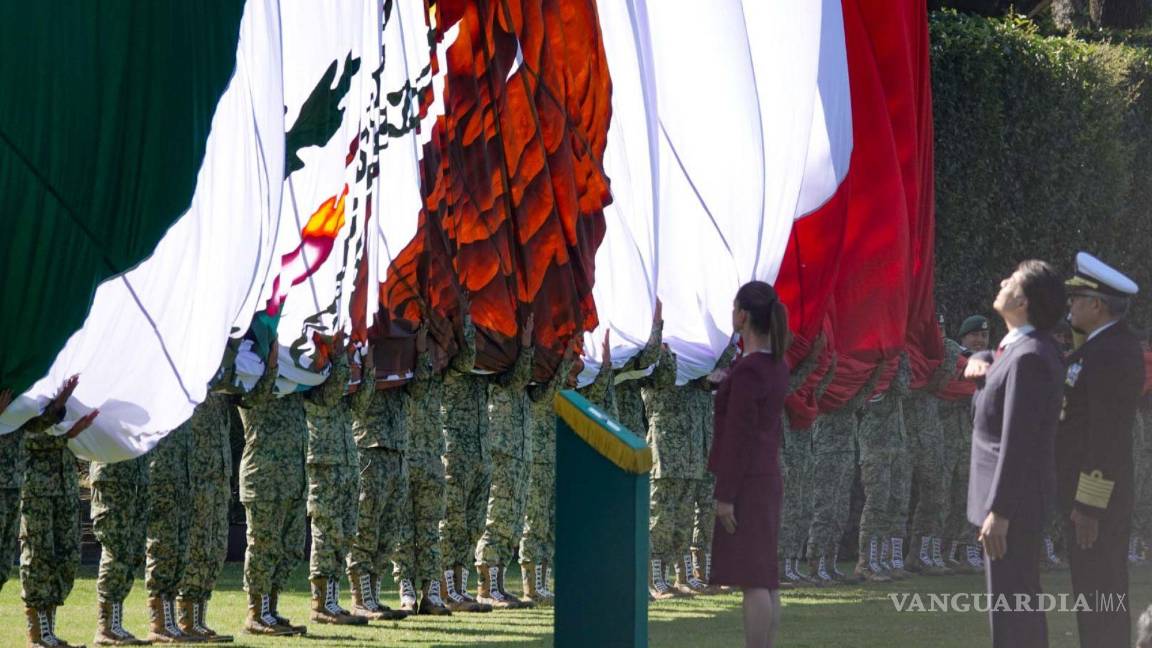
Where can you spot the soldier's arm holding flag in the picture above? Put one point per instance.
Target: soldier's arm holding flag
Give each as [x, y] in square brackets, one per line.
[362, 399]
[264, 390]
[547, 391]
[465, 359]
[520, 374]
[329, 392]
[422, 374]
[649, 355]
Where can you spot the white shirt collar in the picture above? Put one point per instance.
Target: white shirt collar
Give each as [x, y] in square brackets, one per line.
[1015, 335]
[1102, 329]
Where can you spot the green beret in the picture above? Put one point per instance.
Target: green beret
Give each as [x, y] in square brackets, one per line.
[973, 324]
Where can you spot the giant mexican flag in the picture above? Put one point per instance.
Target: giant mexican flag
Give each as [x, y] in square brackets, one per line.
[178, 175]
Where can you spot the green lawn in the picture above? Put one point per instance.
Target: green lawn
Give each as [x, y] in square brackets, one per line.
[857, 617]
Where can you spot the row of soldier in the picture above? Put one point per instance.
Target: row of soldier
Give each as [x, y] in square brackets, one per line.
[455, 471]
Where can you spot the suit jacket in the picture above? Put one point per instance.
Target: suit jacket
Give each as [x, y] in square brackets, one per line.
[1015, 414]
[1102, 391]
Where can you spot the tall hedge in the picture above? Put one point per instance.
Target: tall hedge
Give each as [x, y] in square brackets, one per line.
[1043, 148]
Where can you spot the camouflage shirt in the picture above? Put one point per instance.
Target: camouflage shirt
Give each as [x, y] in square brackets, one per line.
[131, 471]
[509, 409]
[674, 432]
[464, 402]
[701, 402]
[629, 400]
[381, 419]
[601, 392]
[329, 418]
[51, 467]
[169, 461]
[275, 435]
[425, 428]
[543, 413]
[13, 460]
[211, 456]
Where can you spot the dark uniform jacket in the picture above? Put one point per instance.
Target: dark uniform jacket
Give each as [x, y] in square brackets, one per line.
[1016, 412]
[1102, 389]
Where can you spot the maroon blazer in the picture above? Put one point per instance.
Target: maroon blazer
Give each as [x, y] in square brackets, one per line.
[747, 424]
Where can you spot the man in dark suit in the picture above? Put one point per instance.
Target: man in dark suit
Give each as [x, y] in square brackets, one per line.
[1012, 478]
[1094, 466]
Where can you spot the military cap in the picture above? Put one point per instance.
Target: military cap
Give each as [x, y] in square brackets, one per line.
[973, 324]
[1093, 275]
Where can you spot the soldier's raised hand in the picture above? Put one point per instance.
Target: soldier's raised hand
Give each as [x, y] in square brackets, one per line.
[606, 349]
[273, 355]
[59, 402]
[5, 399]
[82, 424]
[658, 313]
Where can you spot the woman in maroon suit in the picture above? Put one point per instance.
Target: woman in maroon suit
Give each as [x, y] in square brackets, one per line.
[746, 460]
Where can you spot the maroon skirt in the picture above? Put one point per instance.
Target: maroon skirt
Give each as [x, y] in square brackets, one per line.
[748, 558]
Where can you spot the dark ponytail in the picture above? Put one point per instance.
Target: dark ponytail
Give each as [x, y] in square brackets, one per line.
[766, 314]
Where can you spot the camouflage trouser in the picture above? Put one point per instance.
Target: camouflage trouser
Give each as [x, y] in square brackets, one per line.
[120, 523]
[901, 486]
[834, 461]
[420, 517]
[704, 520]
[169, 519]
[207, 538]
[381, 535]
[504, 520]
[671, 518]
[796, 513]
[9, 531]
[957, 461]
[881, 428]
[538, 544]
[922, 420]
[277, 532]
[50, 548]
[332, 493]
[467, 480]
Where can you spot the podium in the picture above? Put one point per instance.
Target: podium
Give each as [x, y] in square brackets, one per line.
[602, 549]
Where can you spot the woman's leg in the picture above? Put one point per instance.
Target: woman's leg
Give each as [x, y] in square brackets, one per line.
[761, 616]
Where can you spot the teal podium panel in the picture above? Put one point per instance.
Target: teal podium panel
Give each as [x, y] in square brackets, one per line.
[601, 529]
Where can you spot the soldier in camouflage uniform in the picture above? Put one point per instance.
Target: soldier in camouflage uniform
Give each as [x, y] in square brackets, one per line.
[510, 424]
[384, 530]
[331, 468]
[956, 421]
[881, 426]
[538, 540]
[49, 519]
[272, 487]
[629, 403]
[120, 523]
[210, 460]
[429, 485]
[795, 470]
[13, 462]
[834, 458]
[467, 466]
[169, 523]
[794, 534]
[926, 445]
[677, 464]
